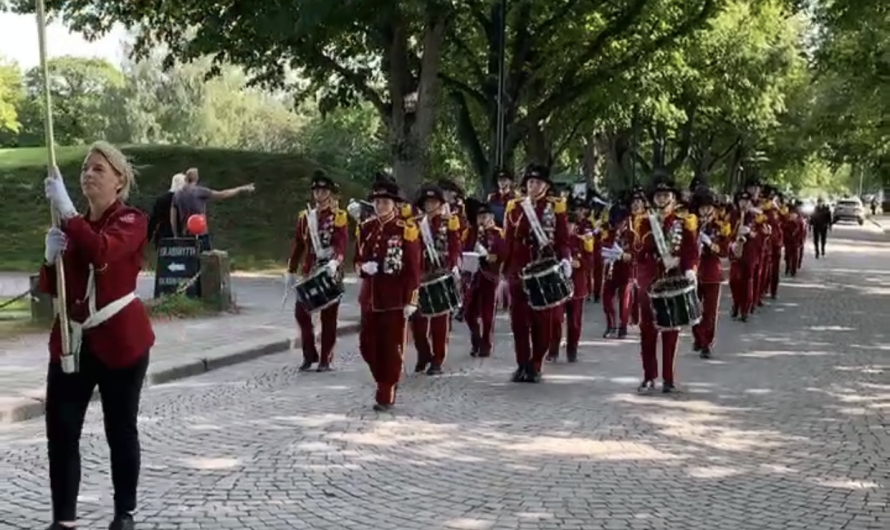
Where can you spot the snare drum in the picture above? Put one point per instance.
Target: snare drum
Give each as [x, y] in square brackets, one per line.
[675, 303]
[545, 284]
[320, 290]
[439, 294]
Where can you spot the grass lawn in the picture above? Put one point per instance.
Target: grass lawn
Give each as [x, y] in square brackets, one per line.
[254, 229]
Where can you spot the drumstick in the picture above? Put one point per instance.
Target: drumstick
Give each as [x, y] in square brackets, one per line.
[62, 306]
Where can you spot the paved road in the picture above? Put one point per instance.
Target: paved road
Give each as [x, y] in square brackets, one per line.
[786, 428]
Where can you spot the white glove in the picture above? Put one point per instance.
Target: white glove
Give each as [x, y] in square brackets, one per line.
[56, 241]
[733, 248]
[409, 310]
[456, 271]
[744, 230]
[705, 239]
[290, 281]
[691, 276]
[57, 194]
[369, 268]
[333, 265]
[566, 266]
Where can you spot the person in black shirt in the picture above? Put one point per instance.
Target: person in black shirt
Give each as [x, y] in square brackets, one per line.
[820, 222]
[159, 223]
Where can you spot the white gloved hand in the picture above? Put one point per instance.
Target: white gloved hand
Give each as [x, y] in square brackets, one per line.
[57, 194]
[290, 280]
[56, 242]
[333, 266]
[744, 230]
[705, 239]
[456, 271]
[409, 310]
[566, 266]
[369, 268]
[691, 276]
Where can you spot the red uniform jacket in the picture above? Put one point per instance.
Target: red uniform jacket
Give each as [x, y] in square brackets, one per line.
[394, 245]
[752, 242]
[113, 245]
[581, 248]
[710, 269]
[332, 234]
[791, 231]
[622, 271]
[521, 245]
[446, 235]
[648, 262]
[776, 219]
[492, 240]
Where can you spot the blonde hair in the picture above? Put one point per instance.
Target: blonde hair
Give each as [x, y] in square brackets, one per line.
[191, 175]
[119, 163]
[177, 182]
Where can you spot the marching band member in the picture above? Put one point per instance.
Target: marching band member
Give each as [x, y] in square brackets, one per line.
[581, 248]
[754, 187]
[498, 200]
[431, 333]
[532, 330]
[618, 280]
[110, 332]
[776, 215]
[325, 225]
[792, 238]
[714, 236]
[744, 253]
[683, 258]
[639, 208]
[389, 262]
[480, 296]
[454, 198]
[598, 218]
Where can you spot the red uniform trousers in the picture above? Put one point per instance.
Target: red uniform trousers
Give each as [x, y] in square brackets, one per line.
[431, 338]
[479, 310]
[792, 257]
[328, 318]
[634, 303]
[596, 272]
[572, 312]
[775, 262]
[532, 330]
[763, 275]
[622, 292]
[670, 340]
[741, 286]
[381, 342]
[705, 331]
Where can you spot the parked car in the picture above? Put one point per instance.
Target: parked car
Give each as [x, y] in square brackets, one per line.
[849, 210]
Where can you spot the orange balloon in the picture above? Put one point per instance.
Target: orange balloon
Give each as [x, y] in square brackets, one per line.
[196, 224]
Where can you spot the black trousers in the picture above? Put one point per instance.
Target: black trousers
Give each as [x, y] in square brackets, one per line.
[820, 235]
[67, 399]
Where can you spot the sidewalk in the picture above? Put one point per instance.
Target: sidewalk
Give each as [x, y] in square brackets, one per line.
[881, 221]
[183, 348]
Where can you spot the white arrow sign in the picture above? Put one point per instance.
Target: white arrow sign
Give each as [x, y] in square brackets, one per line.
[176, 267]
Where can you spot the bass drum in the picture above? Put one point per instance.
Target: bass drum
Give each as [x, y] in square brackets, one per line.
[675, 303]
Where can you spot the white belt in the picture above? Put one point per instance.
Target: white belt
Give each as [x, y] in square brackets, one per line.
[95, 317]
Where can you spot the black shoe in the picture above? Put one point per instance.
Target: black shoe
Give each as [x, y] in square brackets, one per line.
[122, 522]
[572, 356]
[608, 333]
[434, 370]
[704, 353]
[324, 368]
[646, 386]
[696, 348]
[622, 332]
[307, 365]
[518, 375]
[420, 367]
[734, 313]
[57, 526]
[668, 388]
[743, 318]
[474, 352]
[551, 358]
[532, 376]
[380, 407]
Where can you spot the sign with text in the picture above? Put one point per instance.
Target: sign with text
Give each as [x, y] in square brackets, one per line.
[178, 262]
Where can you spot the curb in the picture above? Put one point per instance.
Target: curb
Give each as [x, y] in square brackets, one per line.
[24, 409]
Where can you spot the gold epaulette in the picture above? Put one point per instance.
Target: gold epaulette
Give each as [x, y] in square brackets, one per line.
[453, 223]
[690, 222]
[559, 204]
[725, 228]
[340, 219]
[510, 205]
[587, 244]
[406, 211]
[410, 232]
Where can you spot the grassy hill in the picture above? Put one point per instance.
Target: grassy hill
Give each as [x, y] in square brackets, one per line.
[254, 229]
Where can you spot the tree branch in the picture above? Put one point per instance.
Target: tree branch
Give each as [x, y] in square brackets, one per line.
[358, 81]
[467, 134]
[558, 16]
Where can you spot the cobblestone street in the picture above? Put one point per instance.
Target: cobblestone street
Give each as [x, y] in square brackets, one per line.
[786, 428]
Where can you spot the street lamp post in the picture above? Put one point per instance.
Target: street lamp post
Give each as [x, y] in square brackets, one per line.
[500, 132]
